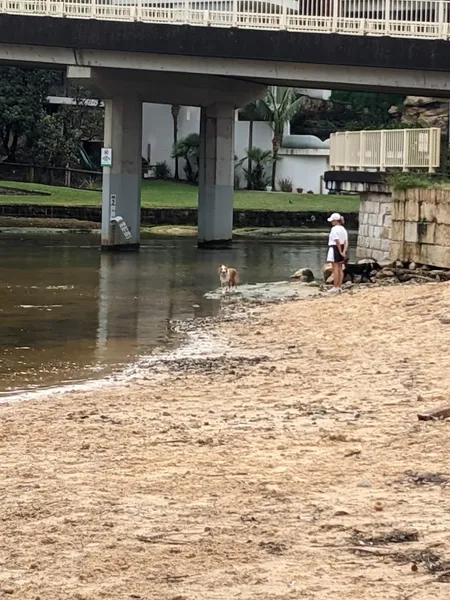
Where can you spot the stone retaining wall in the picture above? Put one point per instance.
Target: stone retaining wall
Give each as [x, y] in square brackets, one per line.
[168, 216]
[374, 231]
[421, 226]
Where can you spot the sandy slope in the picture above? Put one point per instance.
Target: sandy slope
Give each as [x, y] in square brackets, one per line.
[249, 477]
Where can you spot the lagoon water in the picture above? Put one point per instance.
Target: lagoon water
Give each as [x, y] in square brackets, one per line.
[69, 313]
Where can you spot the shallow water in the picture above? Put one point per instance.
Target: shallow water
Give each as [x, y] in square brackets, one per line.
[69, 313]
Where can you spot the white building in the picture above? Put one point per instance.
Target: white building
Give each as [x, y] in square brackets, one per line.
[303, 159]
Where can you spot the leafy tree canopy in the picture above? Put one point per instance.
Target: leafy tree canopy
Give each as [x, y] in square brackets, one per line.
[30, 131]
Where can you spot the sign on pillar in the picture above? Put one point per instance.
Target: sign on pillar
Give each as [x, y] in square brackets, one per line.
[114, 218]
[123, 227]
[106, 157]
[113, 205]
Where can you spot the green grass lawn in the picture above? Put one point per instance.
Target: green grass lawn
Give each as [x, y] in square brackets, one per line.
[166, 194]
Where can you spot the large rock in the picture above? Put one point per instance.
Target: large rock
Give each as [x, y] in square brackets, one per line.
[421, 101]
[327, 270]
[424, 111]
[303, 275]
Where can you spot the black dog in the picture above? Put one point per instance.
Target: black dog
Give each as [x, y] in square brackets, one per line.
[362, 270]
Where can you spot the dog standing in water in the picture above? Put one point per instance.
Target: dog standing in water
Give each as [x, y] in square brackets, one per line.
[228, 278]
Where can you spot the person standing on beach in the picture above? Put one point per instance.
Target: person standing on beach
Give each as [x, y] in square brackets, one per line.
[337, 251]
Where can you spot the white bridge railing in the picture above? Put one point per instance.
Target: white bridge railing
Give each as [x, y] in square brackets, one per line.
[395, 18]
[385, 149]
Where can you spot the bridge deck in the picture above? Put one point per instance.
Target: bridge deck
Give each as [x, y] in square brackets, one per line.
[415, 19]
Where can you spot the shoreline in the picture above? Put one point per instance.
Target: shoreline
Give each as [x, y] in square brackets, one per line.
[314, 216]
[277, 469]
[13, 226]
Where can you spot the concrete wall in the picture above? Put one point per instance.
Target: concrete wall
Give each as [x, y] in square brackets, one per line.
[421, 226]
[374, 231]
[305, 167]
[157, 131]
[262, 137]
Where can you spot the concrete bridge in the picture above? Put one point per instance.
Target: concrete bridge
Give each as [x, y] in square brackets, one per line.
[219, 55]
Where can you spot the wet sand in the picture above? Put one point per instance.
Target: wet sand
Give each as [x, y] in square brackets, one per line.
[275, 471]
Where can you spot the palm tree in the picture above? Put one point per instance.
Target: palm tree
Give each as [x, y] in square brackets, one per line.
[256, 177]
[277, 114]
[175, 108]
[250, 113]
[188, 148]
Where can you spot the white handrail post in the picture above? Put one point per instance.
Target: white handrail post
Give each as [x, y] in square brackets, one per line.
[442, 21]
[339, 160]
[430, 151]
[361, 155]
[186, 12]
[438, 140]
[334, 16]
[93, 7]
[283, 21]
[382, 150]
[387, 17]
[345, 150]
[434, 149]
[332, 151]
[405, 150]
[138, 15]
[234, 17]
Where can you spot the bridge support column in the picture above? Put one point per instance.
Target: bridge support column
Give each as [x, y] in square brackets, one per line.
[121, 196]
[216, 169]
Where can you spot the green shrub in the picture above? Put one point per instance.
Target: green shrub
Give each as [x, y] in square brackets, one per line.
[162, 170]
[285, 184]
[410, 180]
[256, 176]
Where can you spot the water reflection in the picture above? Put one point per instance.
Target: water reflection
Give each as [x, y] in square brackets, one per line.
[69, 312]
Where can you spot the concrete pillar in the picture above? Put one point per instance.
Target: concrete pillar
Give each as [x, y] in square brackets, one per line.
[121, 195]
[216, 174]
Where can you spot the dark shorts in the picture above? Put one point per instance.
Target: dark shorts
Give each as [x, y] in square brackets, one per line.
[338, 258]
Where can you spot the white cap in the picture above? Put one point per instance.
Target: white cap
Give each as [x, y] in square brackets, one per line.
[334, 217]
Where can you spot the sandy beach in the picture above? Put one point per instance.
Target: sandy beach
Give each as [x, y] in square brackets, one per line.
[290, 465]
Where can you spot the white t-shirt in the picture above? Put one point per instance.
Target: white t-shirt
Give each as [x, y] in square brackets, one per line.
[338, 232]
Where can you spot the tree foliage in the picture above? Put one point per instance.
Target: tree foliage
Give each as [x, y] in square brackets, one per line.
[23, 102]
[255, 173]
[31, 132]
[175, 110]
[367, 109]
[347, 111]
[189, 148]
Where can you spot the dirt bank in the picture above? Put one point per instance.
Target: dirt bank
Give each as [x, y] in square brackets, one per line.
[22, 224]
[292, 467]
[7, 224]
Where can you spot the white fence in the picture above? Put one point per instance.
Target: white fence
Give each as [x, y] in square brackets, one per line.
[386, 149]
[396, 18]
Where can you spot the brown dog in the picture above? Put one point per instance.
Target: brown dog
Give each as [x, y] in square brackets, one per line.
[228, 278]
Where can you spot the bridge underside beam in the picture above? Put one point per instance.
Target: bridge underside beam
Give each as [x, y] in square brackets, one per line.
[188, 89]
[238, 71]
